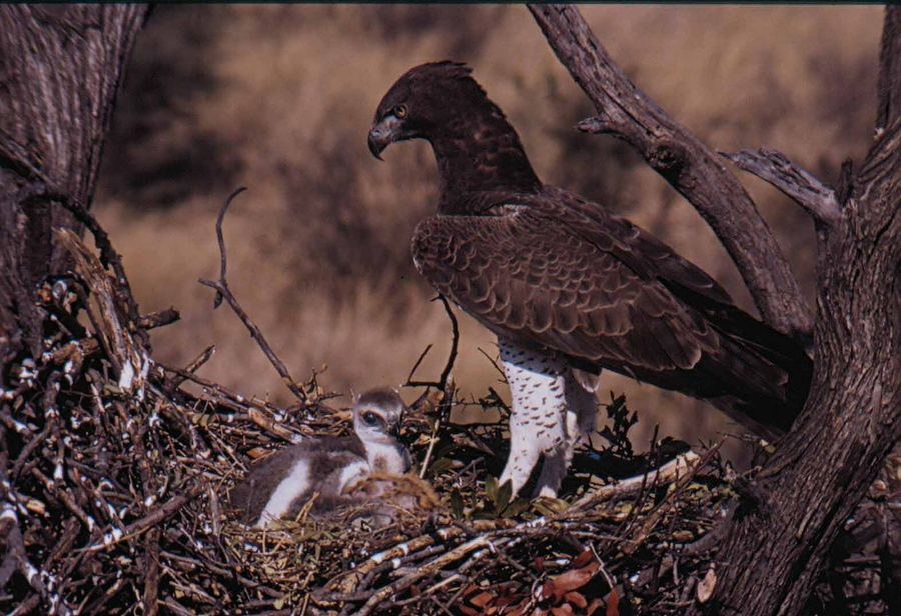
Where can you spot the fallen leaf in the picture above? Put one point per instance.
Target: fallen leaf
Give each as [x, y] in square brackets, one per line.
[584, 557]
[706, 586]
[559, 585]
[612, 603]
[576, 598]
[562, 610]
[482, 599]
[593, 606]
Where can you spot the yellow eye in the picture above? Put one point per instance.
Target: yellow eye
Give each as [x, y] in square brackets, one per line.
[400, 111]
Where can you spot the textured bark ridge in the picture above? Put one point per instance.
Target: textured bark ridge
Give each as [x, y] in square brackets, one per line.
[780, 534]
[60, 68]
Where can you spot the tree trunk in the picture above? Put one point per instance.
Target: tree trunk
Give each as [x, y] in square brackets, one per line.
[778, 540]
[60, 67]
[778, 545]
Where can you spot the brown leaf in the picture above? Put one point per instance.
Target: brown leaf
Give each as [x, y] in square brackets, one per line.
[576, 598]
[559, 585]
[562, 610]
[584, 557]
[469, 611]
[593, 607]
[482, 599]
[612, 603]
[520, 609]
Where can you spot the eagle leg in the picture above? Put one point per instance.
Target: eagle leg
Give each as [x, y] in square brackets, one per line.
[581, 418]
[538, 419]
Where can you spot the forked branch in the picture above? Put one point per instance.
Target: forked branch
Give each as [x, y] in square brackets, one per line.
[684, 161]
[223, 292]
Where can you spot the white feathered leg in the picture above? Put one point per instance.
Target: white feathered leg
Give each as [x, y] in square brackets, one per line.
[538, 417]
[581, 417]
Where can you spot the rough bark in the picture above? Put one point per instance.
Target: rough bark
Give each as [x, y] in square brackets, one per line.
[692, 168]
[60, 70]
[818, 475]
[778, 540]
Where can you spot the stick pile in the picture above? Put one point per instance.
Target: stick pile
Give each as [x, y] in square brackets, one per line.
[114, 471]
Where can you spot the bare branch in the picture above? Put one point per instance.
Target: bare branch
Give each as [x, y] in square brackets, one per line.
[222, 291]
[684, 161]
[793, 180]
[889, 101]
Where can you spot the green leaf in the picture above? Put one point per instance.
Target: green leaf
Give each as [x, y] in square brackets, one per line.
[439, 466]
[516, 508]
[491, 488]
[504, 493]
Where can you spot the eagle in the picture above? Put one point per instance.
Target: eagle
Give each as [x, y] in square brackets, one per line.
[569, 288]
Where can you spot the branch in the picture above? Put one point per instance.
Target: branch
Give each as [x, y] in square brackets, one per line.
[222, 291]
[442, 383]
[792, 180]
[889, 86]
[684, 161]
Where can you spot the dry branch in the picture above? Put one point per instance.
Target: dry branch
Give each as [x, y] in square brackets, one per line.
[222, 291]
[795, 182]
[684, 161]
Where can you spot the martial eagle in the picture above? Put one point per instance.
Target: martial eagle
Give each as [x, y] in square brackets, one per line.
[570, 288]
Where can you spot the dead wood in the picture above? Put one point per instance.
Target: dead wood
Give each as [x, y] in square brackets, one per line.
[788, 517]
[691, 167]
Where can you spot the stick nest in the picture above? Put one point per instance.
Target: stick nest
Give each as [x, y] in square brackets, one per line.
[115, 469]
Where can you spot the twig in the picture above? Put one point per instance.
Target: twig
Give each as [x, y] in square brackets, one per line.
[159, 319]
[196, 364]
[455, 342]
[794, 181]
[222, 291]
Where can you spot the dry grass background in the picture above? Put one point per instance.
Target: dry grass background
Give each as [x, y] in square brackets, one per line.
[279, 98]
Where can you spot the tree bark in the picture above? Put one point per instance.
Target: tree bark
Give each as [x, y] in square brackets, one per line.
[684, 161]
[60, 67]
[778, 540]
[823, 468]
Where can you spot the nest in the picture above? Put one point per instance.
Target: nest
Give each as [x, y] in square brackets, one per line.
[115, 469]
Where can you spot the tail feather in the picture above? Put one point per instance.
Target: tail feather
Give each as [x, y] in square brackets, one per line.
[766, 373]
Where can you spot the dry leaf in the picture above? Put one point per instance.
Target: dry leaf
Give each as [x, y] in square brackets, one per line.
[482, 599]
[576, 598]
[612, 603]
[584, 557]
[706, 586]
[562, 610]
[559, 585]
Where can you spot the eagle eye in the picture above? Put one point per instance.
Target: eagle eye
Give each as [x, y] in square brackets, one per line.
[400, 111]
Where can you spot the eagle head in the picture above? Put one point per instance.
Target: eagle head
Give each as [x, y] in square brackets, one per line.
[424, 101]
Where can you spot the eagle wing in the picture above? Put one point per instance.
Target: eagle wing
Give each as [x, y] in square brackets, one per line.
[560, 279]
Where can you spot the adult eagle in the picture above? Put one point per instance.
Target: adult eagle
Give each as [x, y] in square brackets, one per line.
[570, 288]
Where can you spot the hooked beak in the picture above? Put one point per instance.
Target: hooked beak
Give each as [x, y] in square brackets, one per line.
[383, 134]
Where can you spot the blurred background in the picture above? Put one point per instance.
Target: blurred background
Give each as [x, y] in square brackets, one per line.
[280, 99]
